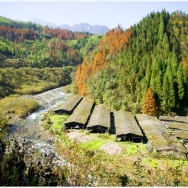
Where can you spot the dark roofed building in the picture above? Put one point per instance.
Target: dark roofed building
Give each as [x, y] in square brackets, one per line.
[69, 105]
[181, 119]
[166, 118]
[182, 134]
[159, 125]
[178, 125]
[160, 141]
[80, 115]
[153, 135]
[100, 119]
[126, 127]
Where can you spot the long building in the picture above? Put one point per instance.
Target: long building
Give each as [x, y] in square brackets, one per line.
[80, 116]
[126, 127]
[100, 119]
[69, 105]
[181, 119]
[160, 141]
[178, 125]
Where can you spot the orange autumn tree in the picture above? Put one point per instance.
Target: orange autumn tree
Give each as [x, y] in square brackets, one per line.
[150, 106]
[112, 42]
[85, 71]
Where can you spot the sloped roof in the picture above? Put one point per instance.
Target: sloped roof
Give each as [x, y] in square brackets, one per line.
[159, 142]
[174, 143]
[100, 117]
[178, 125]
[182, 119]
[125, 123]
[158, 124]
[69, 104]
[81, 112]
[151, 132]
[166, 118]
[181, 134]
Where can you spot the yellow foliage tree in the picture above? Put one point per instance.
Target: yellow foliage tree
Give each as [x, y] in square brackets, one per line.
[150, 106]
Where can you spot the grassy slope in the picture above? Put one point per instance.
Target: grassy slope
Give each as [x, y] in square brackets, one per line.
[134, 160]
[129, 149]
[20, 106]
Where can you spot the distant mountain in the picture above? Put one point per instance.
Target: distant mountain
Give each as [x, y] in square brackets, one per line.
[82, 27]
[96, 29]
[43, 23]
[64, 26]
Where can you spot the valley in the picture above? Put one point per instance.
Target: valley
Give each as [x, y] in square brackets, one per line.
[45, 146]
[84, 109]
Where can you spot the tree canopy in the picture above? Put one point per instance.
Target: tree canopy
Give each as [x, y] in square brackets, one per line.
[152, 53]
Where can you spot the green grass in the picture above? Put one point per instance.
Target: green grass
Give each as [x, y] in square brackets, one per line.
[94, 144]
[151, 162]
[105, 136]
[128, 148]
[135, 149]
[58, 121]
[160, 162]
[21, 106]
[59, 118]
[35, 88]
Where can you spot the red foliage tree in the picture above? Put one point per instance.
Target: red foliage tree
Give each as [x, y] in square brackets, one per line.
[63, 34]
[112, 42]
[18, 35]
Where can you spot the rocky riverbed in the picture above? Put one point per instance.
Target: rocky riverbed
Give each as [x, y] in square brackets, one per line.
[30, 138]
[38, 145]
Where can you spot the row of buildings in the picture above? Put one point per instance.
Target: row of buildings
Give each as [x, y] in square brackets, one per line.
[84, 114]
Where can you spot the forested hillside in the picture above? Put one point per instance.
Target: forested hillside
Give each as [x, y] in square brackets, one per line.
[39, 46]
[152, 55]
[34, 58]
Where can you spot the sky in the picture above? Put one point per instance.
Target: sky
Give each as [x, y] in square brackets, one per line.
[109, 13]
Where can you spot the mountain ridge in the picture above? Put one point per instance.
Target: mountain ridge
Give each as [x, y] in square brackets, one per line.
[81, 27]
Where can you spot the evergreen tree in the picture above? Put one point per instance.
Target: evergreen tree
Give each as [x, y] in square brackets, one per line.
[181, 78]
[161, 28]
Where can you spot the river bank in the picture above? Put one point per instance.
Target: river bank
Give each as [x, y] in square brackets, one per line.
[30, 138]
[30, 126]
[40, 148]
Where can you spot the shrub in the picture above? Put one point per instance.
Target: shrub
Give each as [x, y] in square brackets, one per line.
[21, 106]
[46, 125]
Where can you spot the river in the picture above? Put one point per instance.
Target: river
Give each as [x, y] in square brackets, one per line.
[38, 143]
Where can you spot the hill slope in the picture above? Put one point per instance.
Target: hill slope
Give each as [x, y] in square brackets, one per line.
[25, 48]
[153, 54]
[32, 45]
